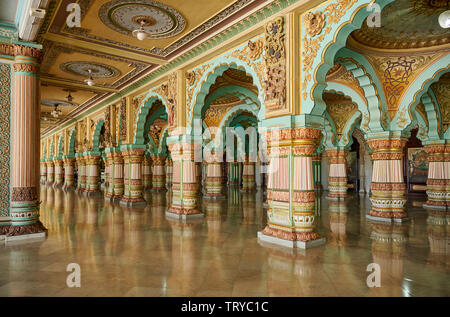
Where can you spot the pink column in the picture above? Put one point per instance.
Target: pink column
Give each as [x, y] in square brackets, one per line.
[59, 172]
[50, 172]
[92, 174]
[214, 184]
[248, 176]
[388, 187]
[337, 178]
[147, 172]
[133, 157]
[81, 163]
[43, 172]
[115, 186]
[25, 145]
[69, 168]
[158, 173]
[169, 173]
[438, 176]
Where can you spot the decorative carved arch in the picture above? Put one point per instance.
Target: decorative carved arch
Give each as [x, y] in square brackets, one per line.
[141, 116]
[216, 69]
[96, 137]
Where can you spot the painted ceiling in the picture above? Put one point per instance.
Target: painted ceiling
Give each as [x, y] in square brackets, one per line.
[105, 45]
[406, 24]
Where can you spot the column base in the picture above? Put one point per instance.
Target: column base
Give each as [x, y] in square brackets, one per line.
[113, 198]
[158, 190]
[214, 197]
[55, 185]
[436, 207]
[248, 190]
[66, 188]
[127, 202]
[183, 217]
[336, 198]
[289, 243]
[22, 232]
[387, 220]
[266, 205]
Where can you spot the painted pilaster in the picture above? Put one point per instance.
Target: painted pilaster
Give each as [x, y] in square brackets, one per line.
[317, 171]
[69, 168]
[50, 172]
[233, 173]
[24, 210]
[115, 187]
[388, 187]
[185, 181]
[133, 156]
[92, 160]
[248, 176]
[438, 182]
[169, 173]
[290, 192]
[337, 177]
[214, 186]
[158, 173]
[147, 172]
[59, 172]
[43, 169]
[81, 163]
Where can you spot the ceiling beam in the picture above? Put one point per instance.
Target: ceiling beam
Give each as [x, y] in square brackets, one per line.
[104, 49]
[67, 84]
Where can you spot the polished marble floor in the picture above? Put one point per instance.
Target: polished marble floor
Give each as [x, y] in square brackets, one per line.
[140, 252]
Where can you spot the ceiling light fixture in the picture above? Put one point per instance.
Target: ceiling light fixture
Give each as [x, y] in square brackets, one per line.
[90, 81]
[69, 96]
[140, 33]
[444, 19]
[56, 112]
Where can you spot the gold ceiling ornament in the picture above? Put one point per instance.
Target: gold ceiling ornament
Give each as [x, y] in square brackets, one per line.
[341, 112]
[275, 60]
[255, 49]
[314, 23]
[441, 90]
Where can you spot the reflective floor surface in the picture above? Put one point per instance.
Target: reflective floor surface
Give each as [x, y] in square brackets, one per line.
[140, 252]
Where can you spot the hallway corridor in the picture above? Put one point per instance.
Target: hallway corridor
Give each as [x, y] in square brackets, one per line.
[140, 252]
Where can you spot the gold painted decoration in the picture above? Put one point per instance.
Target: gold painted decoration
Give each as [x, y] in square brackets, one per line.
[172, 99]
[314, 23]
[109, 142]
[190, 77]
[255, 48]
[275, 61]
[441, 90]
[123, 119]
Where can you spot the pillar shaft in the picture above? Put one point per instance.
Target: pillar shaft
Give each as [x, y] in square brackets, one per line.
[59, 172]
[81, 163]
[69, 168]
[317, 171]
[50, 172]
[438, 182]
[158, 173]
[185, 180]
[169, 172]
[337, 177]
[132, 177]
[388, 187]
[234, 173]
[43, 169]
[290, 192]
[248, 175]
[92, 173]
[115, 187]
[24, 210]
[214, 185]
[147, 172]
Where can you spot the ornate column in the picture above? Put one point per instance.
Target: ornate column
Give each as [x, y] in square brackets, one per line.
[92, 160]
[248, 175]
[24, 208]
[50, 172]
[199, 174]
[133, 156]
[169, 173]
[337, 177]
[234, 173]
[158, 173]
[438, 175]
[185, 180]
[290, 192]
[81, 163]
[388, 187]
[69, 168]
[59, 173]
[147, 172]
[214, 187]
[115, 187]
[43, 169]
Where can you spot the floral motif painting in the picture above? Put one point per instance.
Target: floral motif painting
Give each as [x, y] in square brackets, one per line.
[417, 165]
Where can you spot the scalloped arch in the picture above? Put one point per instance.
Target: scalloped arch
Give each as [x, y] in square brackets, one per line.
[96, 138]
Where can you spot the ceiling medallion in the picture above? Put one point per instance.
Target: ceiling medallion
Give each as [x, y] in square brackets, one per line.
[87, 69]
[157, 19]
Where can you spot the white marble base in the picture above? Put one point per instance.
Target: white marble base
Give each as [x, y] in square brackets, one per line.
[39, 235]
[434, 207]
[291, 244]
[184, 218]
[388, 220]
[132, 204]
